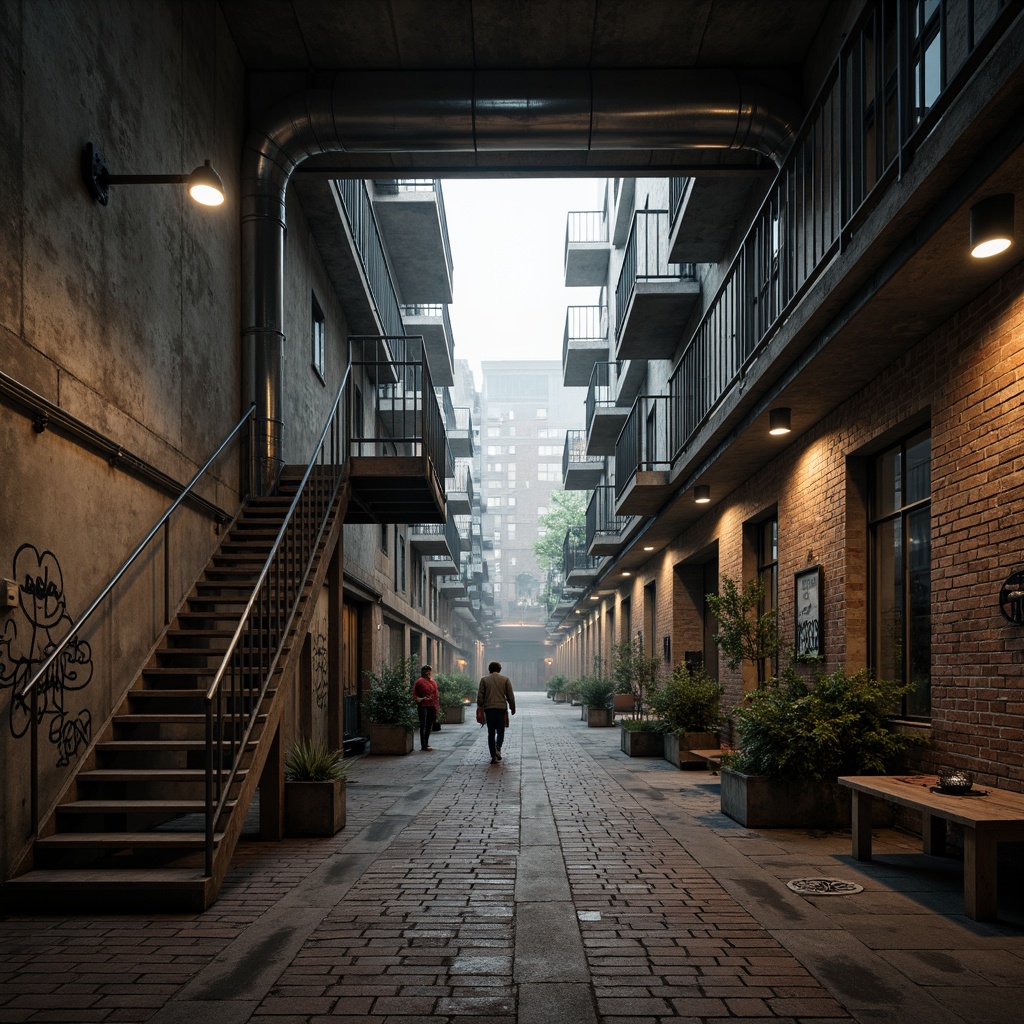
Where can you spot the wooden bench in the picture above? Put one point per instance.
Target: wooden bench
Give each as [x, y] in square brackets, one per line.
[987, 820]
[712, 757]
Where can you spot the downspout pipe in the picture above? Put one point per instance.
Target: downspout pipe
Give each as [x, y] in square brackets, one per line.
[465, 112]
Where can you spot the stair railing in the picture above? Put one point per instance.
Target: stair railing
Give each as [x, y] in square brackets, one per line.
[46, 670]
[236, 694]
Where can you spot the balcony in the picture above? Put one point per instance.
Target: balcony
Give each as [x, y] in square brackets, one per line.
[605, 418]
[580, 567]
[584, 343]
[607, 531]
[436, 539]
[395, 440]
[432, 324]
[460, 433]
[653, 298]
[642, 457]
[580, 471]
[459, 489]
[454, 588]
[443, 565]
[410, 212]
[586, 249]
[705, 212]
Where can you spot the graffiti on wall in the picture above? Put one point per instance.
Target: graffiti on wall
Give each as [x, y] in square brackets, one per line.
[36, 626]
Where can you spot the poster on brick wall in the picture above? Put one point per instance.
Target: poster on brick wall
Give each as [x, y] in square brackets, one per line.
[808, 612]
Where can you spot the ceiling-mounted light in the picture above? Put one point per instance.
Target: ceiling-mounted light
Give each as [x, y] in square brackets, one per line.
[204, 184]
[702, 494]
[992, 225]
[779, 421]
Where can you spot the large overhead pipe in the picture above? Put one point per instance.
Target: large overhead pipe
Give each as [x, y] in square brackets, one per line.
[465, 111]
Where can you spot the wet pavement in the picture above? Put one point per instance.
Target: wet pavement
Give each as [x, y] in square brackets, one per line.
[567, 885]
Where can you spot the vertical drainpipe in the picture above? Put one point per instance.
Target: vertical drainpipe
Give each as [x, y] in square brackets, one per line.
[462, 111]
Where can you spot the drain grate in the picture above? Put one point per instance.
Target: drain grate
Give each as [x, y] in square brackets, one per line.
[824, 887]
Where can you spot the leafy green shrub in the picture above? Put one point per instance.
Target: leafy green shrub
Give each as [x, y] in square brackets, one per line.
[836, 725]
[689, 701]
[744, 632]
[313, 762]
[556, 684]
[455, 689]
[596, 691]
[636, 673]
[389, 700]
[642, 724]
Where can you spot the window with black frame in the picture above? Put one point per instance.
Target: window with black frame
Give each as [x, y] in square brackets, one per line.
[768, 575]
[900, 569]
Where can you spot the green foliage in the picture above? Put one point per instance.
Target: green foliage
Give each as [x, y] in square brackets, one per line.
[636, 673]
[596, 691]
[557, 684]
[313, 762]
[836, 725]
[642, 724]
[389, 700]
[455, 689]
[567, 511]
[689, 701]
[744, 634]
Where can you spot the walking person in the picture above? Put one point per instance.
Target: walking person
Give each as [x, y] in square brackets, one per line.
[494, 697]
[428, 704]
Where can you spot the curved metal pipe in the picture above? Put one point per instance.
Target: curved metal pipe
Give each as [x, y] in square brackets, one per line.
[464, 111]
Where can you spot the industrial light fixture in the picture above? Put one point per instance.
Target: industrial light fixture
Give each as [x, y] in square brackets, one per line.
[992, 225]
[204, 184]
[624, 573]
[702, 494]
[648, 547]
[779, 421]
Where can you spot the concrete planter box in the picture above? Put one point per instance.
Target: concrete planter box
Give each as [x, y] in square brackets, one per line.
[679, 744]
[455, 715]
[641, 743]
[759, 802]
[390, 739]
[314, 808]
[560, 697]
[600, 718]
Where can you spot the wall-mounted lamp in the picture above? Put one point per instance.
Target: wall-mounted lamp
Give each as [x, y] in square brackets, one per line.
[702, 494]
[992, 225]
[780, 421]
[204, 184]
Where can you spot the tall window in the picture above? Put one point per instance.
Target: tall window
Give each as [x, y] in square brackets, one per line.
[900, 584]
[768, 574]
[319, 339]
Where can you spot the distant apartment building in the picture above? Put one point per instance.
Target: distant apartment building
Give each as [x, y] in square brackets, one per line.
[525, 413]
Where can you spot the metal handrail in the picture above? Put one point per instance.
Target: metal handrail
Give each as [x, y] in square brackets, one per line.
[644, 440]
[32, 683]
[583, 324]
[276, 596]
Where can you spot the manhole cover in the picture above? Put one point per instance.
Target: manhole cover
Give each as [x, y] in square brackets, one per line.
[824, 887]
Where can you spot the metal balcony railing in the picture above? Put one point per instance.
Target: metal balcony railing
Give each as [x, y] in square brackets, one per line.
[444, 398]
[463, 419]
[461, 478]
[394, 186]
[359, 212]
[898, 70]
[676, 191]
[575, 453]
[574, 554]
[584, 323]
[646, 259]
[586, 226]
[601, 391]
[602, 522]
[406, 419]
[434, 309]
[643, 444]
[447, 530]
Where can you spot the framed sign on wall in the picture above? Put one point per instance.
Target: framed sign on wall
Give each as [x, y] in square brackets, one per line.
[808, 615]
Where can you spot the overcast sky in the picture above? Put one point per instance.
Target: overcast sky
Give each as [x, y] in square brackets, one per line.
[508, 247]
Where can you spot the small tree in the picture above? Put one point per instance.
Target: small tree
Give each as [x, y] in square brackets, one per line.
[635, 672]
[389, 700]
[745, 633]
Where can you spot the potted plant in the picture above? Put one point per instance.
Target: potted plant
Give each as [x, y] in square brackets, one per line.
[314, 790]
[596, 693]
[690, 707]
[388, 708]
[798, 736]
[641, 673]
[455, 691]
[558, 687]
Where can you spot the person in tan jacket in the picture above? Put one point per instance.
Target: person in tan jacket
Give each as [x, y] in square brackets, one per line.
[494, 696]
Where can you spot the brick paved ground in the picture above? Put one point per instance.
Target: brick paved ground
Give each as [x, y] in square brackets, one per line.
[568, 884]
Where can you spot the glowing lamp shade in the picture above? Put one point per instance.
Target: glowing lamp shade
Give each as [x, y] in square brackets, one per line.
[702, 494]
[779, 421]
[205, 186]
[992, 225]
